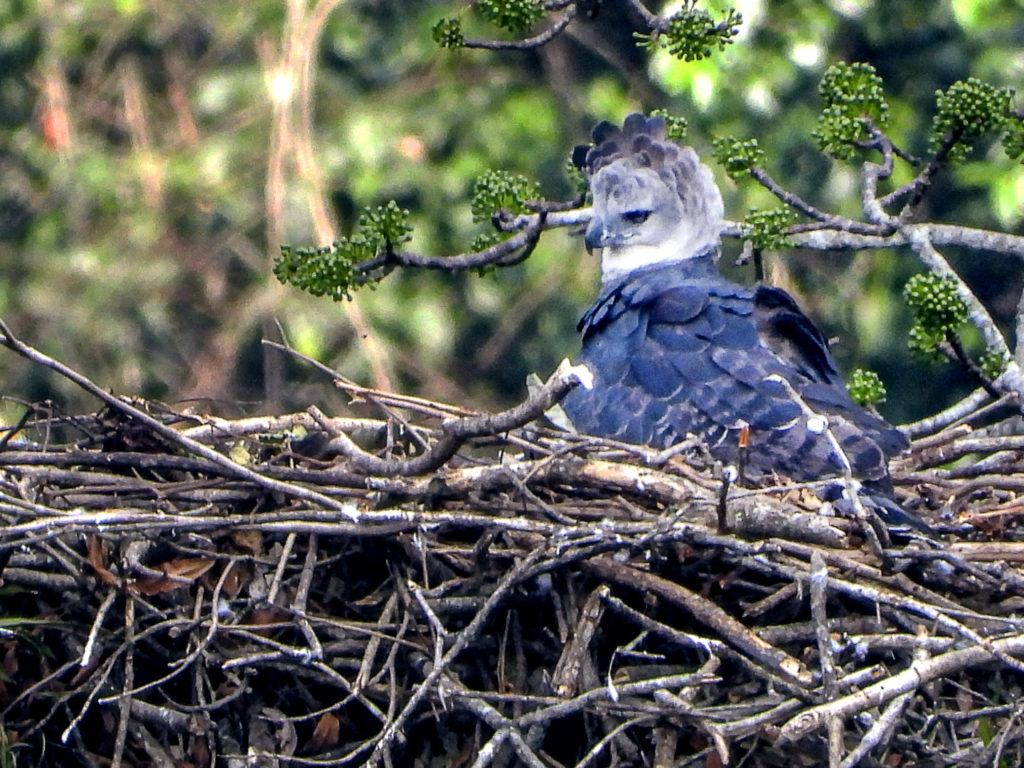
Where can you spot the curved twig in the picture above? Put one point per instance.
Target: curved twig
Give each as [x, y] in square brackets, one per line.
[455, 432]
[542, 38]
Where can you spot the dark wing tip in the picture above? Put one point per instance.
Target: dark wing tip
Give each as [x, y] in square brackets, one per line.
[790, 334]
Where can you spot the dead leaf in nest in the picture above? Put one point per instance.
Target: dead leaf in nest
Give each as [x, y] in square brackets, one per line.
[200, 753]
[713, 760]
[264, 616]
[250, 541]
[992, 521]
[684, 551]
[150, 586]
[186, 567]
[808, 498]
[10, 661]
[97, 557]
[377, 597]
[326, 733]
[180, 572]
[238, 578]
[84, 672]
[226, 689]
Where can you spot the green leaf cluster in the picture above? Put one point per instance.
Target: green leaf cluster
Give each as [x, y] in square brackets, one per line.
[1013, 139]
[330, 271]
[866, 387]
[938, 311]
[497, 190]
[387, 225]
[766, 230]
[447, 33]
[675, 126]
[737, 156]
[993, 363]
[516, 16]
[692, 34]
[967, 111]
[485, 240]
[854, 98]
[577, 180]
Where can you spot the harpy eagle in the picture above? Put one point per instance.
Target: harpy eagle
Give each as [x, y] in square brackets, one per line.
[677, 349]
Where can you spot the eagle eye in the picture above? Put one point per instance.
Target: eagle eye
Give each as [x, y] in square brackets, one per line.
[636, 217]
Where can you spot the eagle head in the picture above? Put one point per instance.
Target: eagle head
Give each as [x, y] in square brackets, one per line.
[654, 201]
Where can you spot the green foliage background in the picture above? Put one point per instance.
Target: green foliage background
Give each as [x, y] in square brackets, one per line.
[137, 247]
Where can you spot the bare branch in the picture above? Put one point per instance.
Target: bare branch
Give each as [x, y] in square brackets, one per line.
[918, 674]
[455, 432]
[825, 220]
[920, 241]
[536, 41]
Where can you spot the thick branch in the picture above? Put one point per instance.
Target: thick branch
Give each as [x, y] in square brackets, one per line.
[827, 239]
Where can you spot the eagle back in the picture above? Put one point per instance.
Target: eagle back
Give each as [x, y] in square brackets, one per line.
[679, 349]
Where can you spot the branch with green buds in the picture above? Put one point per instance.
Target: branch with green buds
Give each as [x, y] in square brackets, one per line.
[939, 316]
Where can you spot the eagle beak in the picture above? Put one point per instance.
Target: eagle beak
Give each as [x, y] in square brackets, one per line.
[595, 237]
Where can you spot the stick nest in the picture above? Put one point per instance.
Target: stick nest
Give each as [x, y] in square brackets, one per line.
[417, 585]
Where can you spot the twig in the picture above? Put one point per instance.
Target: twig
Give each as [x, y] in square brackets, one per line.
[707, 613]
[880, 729]
[964, 360]
[965, 410]
[566, 679]
[785, 709]
[818, 581]
[909, 680]
[455, 432]
[461, 641]
[871, 174]
[595, 751]
[172, 436]
[125, 703]
[850, 485]
[282, 563]
[828, 220]
[101, 613]
[526, 44]
[316, 650]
